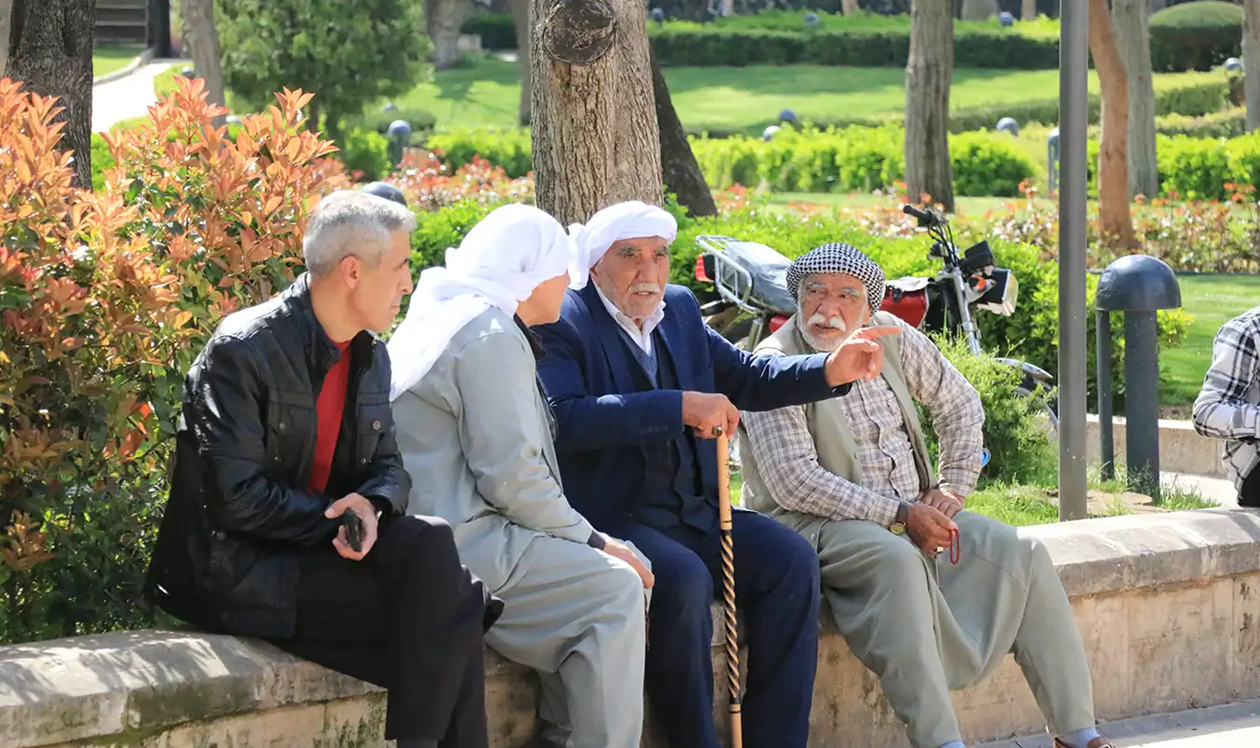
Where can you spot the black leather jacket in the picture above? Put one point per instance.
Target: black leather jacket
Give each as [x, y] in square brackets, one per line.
[239, 513]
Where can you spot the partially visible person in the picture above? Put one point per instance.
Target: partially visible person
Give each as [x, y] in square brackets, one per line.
[1228, 407]
[476, 436]
[285, 430]
[854, 477]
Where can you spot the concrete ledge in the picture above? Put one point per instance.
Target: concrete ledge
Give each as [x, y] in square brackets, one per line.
[1166, 604]
[1181, 448]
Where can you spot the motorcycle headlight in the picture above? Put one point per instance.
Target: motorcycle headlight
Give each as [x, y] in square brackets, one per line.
[1000, 292]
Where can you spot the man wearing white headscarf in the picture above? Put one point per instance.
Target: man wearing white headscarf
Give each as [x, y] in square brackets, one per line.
[476, 437]
[640, 387]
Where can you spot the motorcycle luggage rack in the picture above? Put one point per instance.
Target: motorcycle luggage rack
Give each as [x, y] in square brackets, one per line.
[724, 267]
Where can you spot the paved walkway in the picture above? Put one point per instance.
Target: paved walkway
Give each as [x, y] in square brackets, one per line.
[1229, 726]
[126, 97]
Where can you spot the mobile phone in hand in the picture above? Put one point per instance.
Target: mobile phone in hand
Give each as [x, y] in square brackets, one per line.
[353, 523]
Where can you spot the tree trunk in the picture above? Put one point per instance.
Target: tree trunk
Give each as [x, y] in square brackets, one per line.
[682, 174]
[1251, 61]
[1113, 172]
[849, 7]
[50, 51]
[444, 18]
[1133, 41]
[595, 136]
[521, 16]
[928, 76]
[1028, 10]
[202, 36]
[979, 10]
[6, 11]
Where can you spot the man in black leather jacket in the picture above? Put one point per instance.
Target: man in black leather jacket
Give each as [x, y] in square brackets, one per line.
[286, 426]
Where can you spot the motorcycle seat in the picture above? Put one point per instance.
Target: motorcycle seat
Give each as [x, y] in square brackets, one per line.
[768, 269]
[908, 284]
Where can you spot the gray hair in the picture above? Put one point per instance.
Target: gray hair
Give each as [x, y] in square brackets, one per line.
[352, 223]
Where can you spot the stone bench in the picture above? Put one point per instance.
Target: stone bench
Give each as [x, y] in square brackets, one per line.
[1168, 605]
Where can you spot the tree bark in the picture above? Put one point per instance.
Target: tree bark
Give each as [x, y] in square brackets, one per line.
[202, 36]
[50, 51]
[443, 19]
[522, 11]
[1028, 10]
[849, 7]
[1251, 61]
[6, 12]
[595, 137]
[682, 174]
[979, 10]
[1133, 41]
[1113, 172]
[928, 75]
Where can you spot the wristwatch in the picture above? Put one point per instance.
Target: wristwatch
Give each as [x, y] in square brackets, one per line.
[898, 527]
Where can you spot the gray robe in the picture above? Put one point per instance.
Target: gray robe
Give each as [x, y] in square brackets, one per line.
[475, 436]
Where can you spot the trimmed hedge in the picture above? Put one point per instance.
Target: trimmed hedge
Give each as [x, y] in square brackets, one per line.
[497, 30]
[857, 159]
[1190, 36]
[1195, 36]
[1207, 168]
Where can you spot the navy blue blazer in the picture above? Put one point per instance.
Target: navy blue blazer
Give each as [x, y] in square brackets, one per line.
[602, 422]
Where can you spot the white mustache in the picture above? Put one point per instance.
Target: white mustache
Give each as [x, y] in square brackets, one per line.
[645, 288]
[835, 322]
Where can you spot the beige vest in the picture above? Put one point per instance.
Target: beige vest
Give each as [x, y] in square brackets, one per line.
[828, 424]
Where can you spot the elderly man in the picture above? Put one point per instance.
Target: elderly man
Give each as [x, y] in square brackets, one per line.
[640, 387]
[286, 433]
[854, 477]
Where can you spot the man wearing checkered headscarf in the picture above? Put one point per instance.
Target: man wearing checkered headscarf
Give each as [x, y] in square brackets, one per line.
[854, 476]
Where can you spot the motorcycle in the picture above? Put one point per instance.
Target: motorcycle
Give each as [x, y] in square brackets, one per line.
[753, 301]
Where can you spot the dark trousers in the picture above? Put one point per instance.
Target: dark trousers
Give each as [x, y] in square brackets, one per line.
[1250, 494]
[776, 588]
[409, 618]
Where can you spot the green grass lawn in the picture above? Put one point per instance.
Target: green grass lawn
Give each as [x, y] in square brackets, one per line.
[1212, 300]
[108, 59]
[485, 92]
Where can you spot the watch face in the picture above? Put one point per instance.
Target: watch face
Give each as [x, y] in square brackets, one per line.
[897, 528]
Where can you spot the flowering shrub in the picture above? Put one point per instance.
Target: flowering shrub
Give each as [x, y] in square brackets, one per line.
[106, 298]
[430, 184]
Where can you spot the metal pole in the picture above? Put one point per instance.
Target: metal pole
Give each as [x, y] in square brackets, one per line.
[1105, 437]
[1073, 115]
[1141, 402]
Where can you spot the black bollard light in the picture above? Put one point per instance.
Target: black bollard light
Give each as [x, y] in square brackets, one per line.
[1139, 286]
[399, 138]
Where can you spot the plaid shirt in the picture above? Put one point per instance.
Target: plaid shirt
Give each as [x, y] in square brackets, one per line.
[1227, 406]
[785, 450]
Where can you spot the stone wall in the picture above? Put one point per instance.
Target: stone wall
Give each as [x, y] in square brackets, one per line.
[1167, 604]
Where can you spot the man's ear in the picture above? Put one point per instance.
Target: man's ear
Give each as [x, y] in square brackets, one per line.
[351, 270]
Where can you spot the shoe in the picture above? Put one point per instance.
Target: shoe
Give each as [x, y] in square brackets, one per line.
[1098, 742]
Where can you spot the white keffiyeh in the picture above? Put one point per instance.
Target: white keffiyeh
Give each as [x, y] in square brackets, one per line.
[499, 264]
[630, 220]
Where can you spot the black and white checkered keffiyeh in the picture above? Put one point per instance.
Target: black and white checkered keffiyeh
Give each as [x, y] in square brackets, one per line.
[838, 258]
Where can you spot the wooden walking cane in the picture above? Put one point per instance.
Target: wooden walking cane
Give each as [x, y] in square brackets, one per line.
[728, 585]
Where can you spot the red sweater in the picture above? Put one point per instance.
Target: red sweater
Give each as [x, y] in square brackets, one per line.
[329, 407]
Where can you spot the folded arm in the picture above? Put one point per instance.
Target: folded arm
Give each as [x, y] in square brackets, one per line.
[788, 461]
[388, 484]
[227, 411]
[502, 434]
[1221, 410]
[957, 412]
